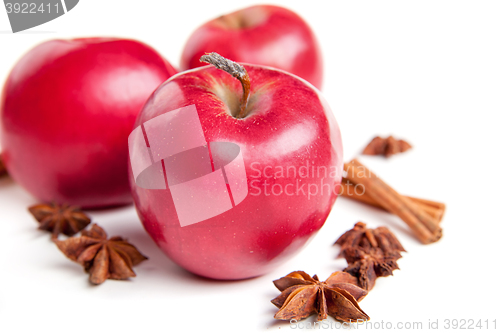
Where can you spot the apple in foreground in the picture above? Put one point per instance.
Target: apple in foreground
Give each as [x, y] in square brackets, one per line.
[67, 109]
[282, 189]
[264, 35]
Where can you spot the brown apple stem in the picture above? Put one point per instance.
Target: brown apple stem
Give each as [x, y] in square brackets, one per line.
[237, 71]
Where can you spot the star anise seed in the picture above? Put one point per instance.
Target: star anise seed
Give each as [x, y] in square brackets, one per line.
[387, 147]
[303, 295]
[57, 219]
[367, 238]
[101, 257]
[368, 264]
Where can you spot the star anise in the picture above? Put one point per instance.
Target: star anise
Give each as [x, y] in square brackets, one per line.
[367, 238]
[302, 296]
[101, 257]
[387, 147]
[3, 171]
[59, 218]
[366, 264]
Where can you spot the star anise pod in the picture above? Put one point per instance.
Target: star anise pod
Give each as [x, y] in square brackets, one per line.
[387, 147]
[366, 264]
[302, 296]
[3, 170]
[59, 218]
[101, 257]
[367, 238]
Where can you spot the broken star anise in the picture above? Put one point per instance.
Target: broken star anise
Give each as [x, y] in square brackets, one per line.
[367, 238]
[387, 147]
[368, 264]
[101, 257]
[59, 218]
[302, 296]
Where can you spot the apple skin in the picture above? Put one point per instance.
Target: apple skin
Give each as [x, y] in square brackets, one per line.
[263, 35]
[67, 109]
[288, 124]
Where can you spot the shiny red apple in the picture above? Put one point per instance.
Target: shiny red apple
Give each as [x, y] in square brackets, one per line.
[291, 153]
[67, 109]
[264, 35]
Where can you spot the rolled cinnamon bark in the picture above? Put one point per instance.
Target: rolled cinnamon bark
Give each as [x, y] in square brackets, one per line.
[434, 209]
[425, 227]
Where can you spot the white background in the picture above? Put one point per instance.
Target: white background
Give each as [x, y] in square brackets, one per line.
[426, 71]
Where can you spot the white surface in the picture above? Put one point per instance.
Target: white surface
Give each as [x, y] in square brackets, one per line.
[426, 71]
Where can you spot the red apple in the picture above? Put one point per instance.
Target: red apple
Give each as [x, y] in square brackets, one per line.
[66, 111]
[264, 35]
[291, 156]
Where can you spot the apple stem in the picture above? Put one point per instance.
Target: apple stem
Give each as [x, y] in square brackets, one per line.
[237, 71]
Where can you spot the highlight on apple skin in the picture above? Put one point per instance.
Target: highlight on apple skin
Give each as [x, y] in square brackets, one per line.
[292, 152]
[67, 109]
[263, 35]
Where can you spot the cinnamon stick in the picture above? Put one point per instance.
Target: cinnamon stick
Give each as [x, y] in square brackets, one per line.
[434, 209]
[425, 227]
